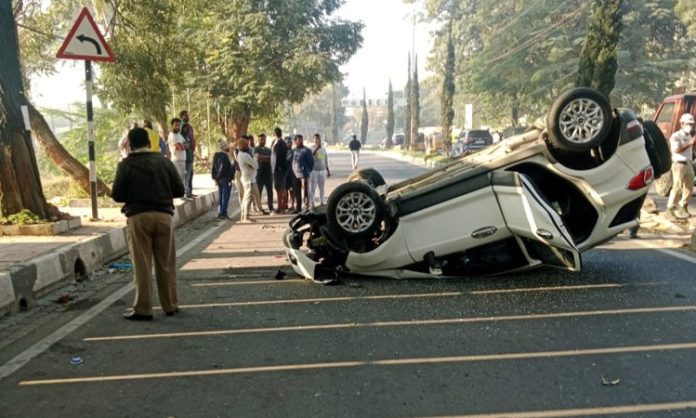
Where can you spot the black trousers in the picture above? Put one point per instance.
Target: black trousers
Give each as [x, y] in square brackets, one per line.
[301, 188]
[266, 182]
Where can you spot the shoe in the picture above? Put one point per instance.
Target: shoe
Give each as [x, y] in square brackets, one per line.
[264, 213]
[687, 212]
[132, 316]
[681, 213]
[633, 235]
[672, 213]
[172, 313]
[223, 217]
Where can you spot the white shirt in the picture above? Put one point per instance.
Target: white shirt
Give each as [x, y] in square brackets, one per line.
[248, 165]
[678, 140]
[172, 140]
[123, 147]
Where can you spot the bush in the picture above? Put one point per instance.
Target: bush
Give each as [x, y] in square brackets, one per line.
[25, 217]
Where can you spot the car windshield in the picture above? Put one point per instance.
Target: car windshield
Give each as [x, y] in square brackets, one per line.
[479, 134]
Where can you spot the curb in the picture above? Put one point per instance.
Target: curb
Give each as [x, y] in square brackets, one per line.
[23, 283]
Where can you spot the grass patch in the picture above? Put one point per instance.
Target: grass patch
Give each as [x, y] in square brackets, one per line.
[25, 217]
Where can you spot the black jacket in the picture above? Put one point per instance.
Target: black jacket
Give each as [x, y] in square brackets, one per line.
[354, 145]
[146, 182]
[222, 167]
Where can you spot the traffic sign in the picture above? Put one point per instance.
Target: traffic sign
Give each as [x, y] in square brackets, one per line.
[85, 41]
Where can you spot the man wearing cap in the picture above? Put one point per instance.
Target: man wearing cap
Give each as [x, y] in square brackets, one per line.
[681, 144]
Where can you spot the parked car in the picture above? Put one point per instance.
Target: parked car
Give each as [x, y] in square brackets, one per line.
[667, 119]
[570, 183]
[472, 141]
[397, 140]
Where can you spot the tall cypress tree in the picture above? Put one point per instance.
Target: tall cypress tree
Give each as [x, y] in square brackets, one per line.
[415, 104]
[364, 120]
[598, 60]
[408, 117]
[334, 115]
[447, 94]
[390, 116]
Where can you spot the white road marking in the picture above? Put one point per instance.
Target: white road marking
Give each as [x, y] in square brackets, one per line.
[372, 363]
[447, 321]
[248, 282]
[586, 412]
[42, 345]
[672, 253]
[560, 288]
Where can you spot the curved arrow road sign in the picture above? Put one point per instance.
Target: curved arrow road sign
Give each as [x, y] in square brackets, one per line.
[85, 41]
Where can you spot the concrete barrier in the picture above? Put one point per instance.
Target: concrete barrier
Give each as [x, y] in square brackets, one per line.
[23, 283]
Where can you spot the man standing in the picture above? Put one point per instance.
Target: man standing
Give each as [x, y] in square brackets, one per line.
[354, 146]
[187, 133]
[264, 177]
[302, 164]
[177, 147]
[320, 171]
[682, 145]
[223, 174]
[147, 184]
[152, 136]
[279, 163]
[247, 166]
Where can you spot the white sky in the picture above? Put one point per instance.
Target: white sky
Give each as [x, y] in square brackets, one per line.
[387, 41]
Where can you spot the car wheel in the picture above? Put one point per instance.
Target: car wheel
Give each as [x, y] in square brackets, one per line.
[355, 209]
[579, 120]
[369, 176]
[657, 148]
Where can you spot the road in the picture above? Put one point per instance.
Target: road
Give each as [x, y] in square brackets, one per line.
[614, 339]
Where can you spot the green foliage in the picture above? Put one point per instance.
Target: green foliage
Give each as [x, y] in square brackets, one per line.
[260, 55]
[364, 120]
[448, 88]
[316, 112]
[599, 58]
[415, 102]
[514, 58]
[25, 217]
[390, 115]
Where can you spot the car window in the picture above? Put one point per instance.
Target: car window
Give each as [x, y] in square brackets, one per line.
[666, 113]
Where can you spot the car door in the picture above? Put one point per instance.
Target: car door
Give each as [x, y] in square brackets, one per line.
[538, 227]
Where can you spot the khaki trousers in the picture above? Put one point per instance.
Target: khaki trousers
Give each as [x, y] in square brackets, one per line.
[151, 236]
[682, 184]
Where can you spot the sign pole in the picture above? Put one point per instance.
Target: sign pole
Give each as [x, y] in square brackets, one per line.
[90, 139]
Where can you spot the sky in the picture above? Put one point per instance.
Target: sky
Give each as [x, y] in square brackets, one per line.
[387, 41]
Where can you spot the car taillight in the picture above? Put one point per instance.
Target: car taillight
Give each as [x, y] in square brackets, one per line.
[642, 179]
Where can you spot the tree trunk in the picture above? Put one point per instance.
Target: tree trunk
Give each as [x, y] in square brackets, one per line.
[60, 156]
[237, 125]
[20, 184]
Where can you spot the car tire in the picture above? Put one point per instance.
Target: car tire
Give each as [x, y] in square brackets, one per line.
[355, 210]
[369, 176]
[657, 148]
[579, 120]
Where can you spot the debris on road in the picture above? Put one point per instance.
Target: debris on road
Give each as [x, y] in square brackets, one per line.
[607, 382]
[63, 299]
[280, 275]
[76, 360]
[120, 266]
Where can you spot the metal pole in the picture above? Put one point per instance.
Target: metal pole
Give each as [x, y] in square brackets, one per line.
[90, 140]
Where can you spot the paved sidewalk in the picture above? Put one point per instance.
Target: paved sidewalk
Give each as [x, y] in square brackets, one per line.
[31, 266]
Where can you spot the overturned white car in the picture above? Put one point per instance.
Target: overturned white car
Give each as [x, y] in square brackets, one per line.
[539, 198]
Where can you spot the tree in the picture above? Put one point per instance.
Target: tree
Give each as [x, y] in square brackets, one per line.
[258, 56]
[447, 93]
[20, 185]
[415, 103]
[364, 120]
[334, 115]
[408, 117]
[316, 112]
[390, 116]
[599, 57]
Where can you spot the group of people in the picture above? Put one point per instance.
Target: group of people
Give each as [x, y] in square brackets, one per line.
[179, 147]
[294, 172]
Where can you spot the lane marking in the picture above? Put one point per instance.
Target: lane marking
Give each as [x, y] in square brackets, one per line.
[42, 345]
[349, 325]
[370, 363]
[249, 282]
[560, 288]
[319, 300]
[672, 253]
[583, 412]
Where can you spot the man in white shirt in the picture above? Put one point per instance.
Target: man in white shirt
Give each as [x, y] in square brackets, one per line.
[177, 147]
[682, 144]
[248, 166]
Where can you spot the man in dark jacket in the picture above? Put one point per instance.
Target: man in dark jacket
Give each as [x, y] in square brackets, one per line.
[223, 174]
[354, 147]
[147, 183]
[302, 164]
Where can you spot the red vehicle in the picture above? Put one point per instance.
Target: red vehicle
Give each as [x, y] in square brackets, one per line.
[667, 119]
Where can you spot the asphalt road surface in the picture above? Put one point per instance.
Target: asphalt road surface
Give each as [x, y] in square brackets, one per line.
[616, 339]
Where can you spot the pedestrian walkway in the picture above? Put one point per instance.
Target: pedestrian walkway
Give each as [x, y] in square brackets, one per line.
[33, 265]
